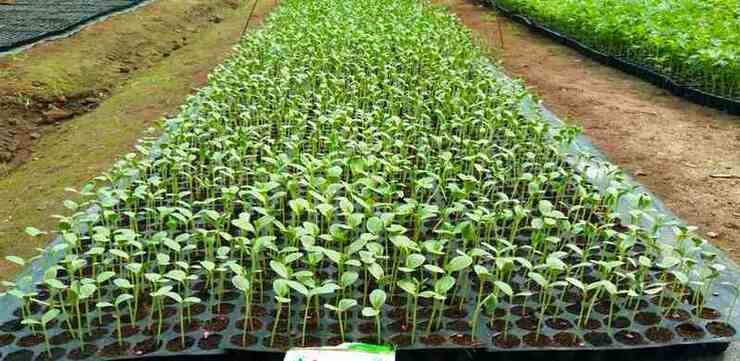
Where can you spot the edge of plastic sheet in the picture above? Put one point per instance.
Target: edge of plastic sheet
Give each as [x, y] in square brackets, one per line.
[658, 79]
[72, 29]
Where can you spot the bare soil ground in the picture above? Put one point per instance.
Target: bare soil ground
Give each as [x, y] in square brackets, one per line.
[70, 108]
[687, 154]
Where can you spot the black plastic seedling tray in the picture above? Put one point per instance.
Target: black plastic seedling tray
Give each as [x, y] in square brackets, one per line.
[223, 335]
[641, 71]
[29, 21]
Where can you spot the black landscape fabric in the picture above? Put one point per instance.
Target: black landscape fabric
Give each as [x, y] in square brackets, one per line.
[28, 21]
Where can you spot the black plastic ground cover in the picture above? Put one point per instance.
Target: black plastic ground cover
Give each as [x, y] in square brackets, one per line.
[28, 21]
[656, 78]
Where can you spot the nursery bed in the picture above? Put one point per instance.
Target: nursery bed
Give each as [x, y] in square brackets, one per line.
[28, 21]
[215, 319]
[676, 88]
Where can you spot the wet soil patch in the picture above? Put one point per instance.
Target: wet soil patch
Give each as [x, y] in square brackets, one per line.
[534, 340]
[720, 329]
[690, 331]
[210, 342]
[80, 354]
[176, 344]
[147, 346]
[114, 349]
[647, 318]
[659, 334]
[508, 342]
[567, 339]
[629, 337]
[433, 340]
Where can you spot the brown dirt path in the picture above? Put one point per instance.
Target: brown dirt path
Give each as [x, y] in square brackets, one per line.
[672, 146]
[72, 150]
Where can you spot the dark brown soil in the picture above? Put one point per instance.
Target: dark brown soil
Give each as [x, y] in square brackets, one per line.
[147, 346]
[56, 354]
[151, 330]
[558, 323]
[197, 309]
[618, 322]
[510, 341]
[690, 331]
[175, 344]
[210, 342]
[592, 324]
[281, 342]
[79, 354]
[708, 313]
[433, 340]
[497, 325]
[659, 334]
[629, 337]
[256, 324]
[401, 340]
[334, 341]
[598, 339]
[567, 339]
[30, 340]
[647, 318]
[677, 315]
[246, 340]
[463, 340]
[720, 329]
[399, 326]
[367, 328]
[223, 308]
[309, 341]
[397, 313]
[114, 349]
[129, 330]
[258, 311]
[6, 339]
[527, 323]
[216, 324]
[534, 340]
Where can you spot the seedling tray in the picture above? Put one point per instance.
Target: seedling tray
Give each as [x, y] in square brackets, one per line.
[675, 87]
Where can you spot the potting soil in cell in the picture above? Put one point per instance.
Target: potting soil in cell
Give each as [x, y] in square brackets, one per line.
[28, 21]
[218, 320]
